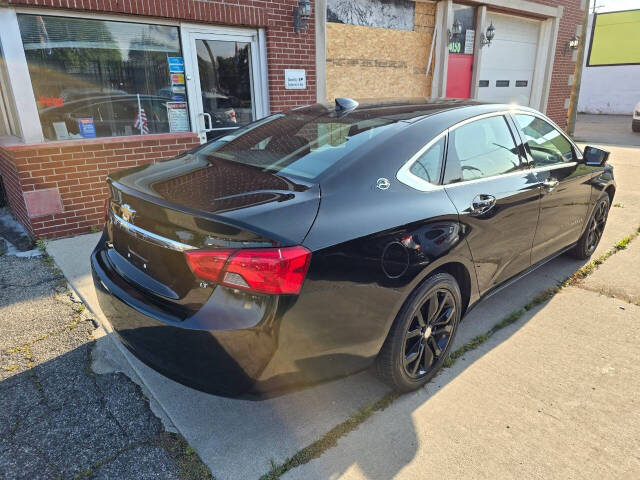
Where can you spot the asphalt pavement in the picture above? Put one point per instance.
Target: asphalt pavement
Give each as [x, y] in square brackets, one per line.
[59, 419]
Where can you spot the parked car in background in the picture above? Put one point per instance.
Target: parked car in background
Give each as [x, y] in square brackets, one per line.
[635, 123]
[314, 243]
[113, 114]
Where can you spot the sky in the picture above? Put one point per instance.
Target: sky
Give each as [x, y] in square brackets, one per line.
[615, 5]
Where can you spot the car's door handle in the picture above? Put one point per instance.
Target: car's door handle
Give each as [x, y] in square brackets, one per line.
[550, 184]
[482, 203]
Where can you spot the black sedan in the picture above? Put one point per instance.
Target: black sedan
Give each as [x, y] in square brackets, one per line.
[314, 243]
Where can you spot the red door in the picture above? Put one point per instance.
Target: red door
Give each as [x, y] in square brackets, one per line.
[459, 75]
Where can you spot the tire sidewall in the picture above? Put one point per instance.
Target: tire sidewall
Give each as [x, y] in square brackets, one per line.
[604, 198]
[405, 316]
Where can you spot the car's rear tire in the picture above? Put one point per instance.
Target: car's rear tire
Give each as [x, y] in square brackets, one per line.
[591, 237]
[421, 334]
[635, 127]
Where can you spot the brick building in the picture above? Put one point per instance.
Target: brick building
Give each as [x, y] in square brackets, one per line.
[93, 86]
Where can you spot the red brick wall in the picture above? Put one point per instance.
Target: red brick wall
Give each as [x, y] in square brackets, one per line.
[285, 48]
[78, 170]
[13, 187]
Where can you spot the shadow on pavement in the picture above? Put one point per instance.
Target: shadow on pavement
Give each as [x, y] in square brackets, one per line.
[224, 430]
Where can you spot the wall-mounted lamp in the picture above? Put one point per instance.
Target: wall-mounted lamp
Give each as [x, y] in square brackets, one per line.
[455, 30]
[572, 44]
[485, 39]
[301, 15]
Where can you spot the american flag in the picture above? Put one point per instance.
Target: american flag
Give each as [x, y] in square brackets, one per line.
[141, 123]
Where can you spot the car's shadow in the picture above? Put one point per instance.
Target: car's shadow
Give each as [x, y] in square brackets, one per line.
[403, 440]
[241, 438]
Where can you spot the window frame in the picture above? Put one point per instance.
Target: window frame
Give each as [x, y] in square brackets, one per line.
[524, 163]
[577, 152]
[405, 175]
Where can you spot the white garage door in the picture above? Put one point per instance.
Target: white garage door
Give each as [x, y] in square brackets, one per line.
[506, 69]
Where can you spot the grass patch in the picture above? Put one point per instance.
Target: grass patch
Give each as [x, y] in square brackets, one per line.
[330, 439]
[618, 205]
[590, 267]
[184, 456]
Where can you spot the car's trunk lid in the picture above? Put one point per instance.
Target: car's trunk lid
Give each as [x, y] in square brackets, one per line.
[160, 210]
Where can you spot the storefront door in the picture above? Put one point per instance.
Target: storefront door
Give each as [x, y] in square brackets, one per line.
[222, 78]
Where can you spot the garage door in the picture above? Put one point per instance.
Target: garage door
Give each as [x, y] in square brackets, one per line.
[506, 69]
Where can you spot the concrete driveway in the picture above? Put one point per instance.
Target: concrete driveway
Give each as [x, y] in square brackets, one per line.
[242, 439]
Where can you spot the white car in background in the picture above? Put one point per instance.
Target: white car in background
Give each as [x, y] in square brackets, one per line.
[635, 123]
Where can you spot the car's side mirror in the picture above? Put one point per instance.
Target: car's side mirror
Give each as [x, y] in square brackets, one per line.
[595, 157]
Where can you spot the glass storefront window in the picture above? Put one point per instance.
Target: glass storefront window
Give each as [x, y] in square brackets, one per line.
[465, 18]
[97, 78]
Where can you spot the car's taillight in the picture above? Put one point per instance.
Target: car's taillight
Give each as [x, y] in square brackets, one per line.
[207, 264]
[265, 270]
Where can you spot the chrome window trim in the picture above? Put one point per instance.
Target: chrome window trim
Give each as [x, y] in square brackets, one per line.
[149, 236]
[405, 176]
[547, 168]
[511, 174]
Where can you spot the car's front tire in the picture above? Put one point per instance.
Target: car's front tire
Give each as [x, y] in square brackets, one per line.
[422, 334]
[591, 237]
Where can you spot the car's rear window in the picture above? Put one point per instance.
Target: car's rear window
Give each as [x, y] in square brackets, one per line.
[303, 144]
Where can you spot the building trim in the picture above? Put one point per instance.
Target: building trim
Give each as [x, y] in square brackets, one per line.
[520, 6]
[481, 25]
[321, 50]
[17, 73]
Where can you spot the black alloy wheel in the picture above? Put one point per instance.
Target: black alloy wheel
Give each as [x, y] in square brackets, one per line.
[429, 333]
[421, 334]
[595, 228]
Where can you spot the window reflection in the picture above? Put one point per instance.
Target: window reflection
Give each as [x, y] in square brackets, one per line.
[225, 82]
[95, 78]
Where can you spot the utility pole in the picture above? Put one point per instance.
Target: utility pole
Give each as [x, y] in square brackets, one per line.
[577, 79]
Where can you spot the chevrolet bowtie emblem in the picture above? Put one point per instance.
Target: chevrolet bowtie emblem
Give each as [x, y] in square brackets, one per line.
[128, 213]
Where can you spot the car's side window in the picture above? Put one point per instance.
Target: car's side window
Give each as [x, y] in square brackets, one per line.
[479, 149]
[427, 165]
[546, 145]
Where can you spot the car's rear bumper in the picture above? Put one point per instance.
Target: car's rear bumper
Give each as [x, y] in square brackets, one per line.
[224, 362]
[220, 350]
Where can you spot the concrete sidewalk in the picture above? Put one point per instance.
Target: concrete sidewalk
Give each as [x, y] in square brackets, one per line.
[552, 396]
[239, 439]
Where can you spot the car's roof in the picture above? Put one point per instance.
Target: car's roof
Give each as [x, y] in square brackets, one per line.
[408, 110]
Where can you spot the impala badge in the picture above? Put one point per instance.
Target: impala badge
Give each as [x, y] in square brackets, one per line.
[128, 213]
[383, 183]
